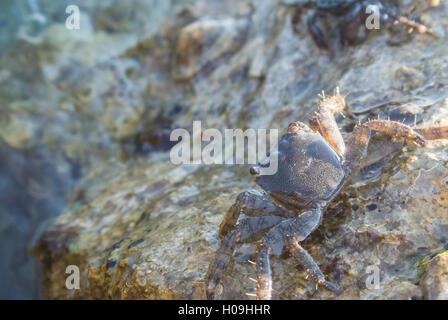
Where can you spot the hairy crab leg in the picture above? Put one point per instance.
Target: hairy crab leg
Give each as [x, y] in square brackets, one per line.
[358, 140]
[264, 275]
[397, 130]
[325, 123]
[251, 203]
[274, 242]
[378, 149]
[221, 263]
[433, 133]
[312, 269]
[247, 229]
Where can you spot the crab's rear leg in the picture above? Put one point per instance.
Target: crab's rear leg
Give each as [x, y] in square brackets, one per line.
[401, 131]
[324, 122]
[433, 133]
[358, 140]
[397, 130]
[357, 143]
[221, 263]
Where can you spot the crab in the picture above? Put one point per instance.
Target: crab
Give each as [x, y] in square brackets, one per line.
[314, 164]
[354, 16]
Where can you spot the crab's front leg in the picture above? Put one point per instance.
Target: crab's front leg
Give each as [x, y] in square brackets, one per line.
[221, 263]
[262, 215]
[289, 232]
[251, 203]
[247, 230]
[324, 122]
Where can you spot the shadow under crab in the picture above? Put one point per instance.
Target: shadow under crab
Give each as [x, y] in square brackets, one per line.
[314, 163]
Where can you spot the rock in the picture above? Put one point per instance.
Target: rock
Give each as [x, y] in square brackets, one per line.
[139, 226]
[435, 281]
[18, 131]
[204, 42]
[405, 291]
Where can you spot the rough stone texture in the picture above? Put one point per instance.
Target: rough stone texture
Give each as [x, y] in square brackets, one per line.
[140, 227]
[435, 280]
[405, 291]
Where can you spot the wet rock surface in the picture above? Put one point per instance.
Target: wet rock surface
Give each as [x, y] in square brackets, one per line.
[435, 280]
[140, 227]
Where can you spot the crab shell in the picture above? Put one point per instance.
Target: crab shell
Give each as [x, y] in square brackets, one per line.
[309, 170]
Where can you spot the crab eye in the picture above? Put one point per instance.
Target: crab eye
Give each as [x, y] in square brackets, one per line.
[294, 127]
[254, 170]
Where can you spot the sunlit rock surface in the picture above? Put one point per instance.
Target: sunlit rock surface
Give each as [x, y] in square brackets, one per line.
[139, 226]
[435, 280]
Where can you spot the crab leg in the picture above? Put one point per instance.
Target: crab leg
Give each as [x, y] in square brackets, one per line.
[433, 133]
[358, 140]
[312, 269]
[325, 123]
[221, 263]
[251, 203]
[357, 144]
[293, 231]
[402, 131]
[248, 229]
[264, 275]
[397, 130]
